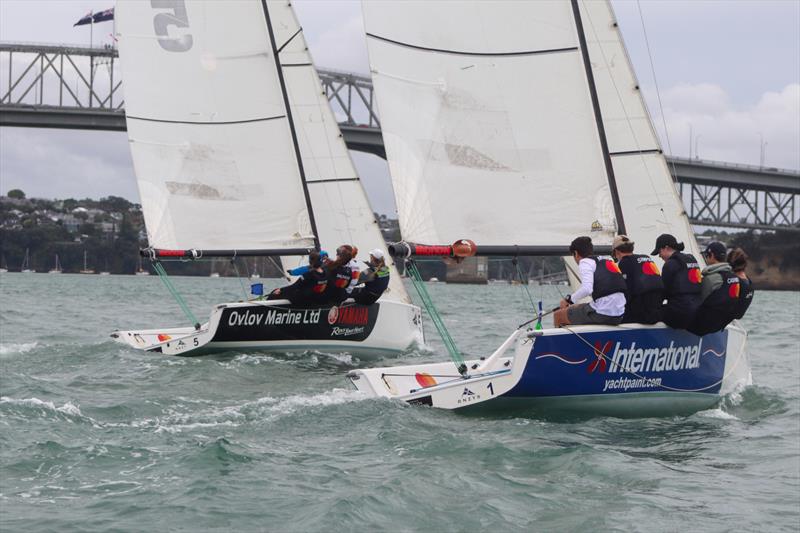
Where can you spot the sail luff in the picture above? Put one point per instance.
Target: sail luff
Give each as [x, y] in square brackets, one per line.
[612, 182]
[288, 109]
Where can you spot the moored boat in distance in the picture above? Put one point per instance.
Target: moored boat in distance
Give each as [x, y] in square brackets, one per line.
[86, 269]
[26, 261]
[57, 268]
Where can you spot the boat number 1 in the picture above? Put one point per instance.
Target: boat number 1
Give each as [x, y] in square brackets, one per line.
[491, 389]
[178, 18]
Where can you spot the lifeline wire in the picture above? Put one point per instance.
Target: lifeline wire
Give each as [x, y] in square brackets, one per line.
[449, 343]
[162, 274]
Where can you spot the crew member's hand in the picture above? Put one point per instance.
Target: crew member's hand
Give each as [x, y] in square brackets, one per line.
[276, 292]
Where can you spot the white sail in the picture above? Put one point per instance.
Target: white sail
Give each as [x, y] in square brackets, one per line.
[207, 124]
[341, 209]
[651, 205]
[488, 122]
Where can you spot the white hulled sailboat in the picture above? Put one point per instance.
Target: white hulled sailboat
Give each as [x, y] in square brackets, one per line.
[530, 115]
[238, 154]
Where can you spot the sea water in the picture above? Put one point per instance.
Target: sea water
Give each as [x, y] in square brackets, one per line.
[95, 436]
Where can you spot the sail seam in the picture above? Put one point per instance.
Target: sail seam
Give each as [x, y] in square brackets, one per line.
[203, 123]
[465, 53]
[296, 64]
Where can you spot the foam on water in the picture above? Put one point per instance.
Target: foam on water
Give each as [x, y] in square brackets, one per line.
[17, 348]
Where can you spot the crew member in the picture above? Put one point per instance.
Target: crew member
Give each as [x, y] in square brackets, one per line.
[645, 292]
[738, 261]
[355, 270]
[719, 292]
[375, 279]
[600, 278]
[309, 288]
[339, 275]
[681, 277]
[302, 269]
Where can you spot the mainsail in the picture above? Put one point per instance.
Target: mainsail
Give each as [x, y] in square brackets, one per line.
[214, 143]
[491, 130]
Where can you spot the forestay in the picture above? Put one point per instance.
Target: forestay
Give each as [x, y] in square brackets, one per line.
[208, 128]
[650, 203]
[341, 209]
[488, 122]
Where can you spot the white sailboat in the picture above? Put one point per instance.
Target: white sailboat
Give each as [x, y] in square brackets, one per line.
[26, 263]
[86, 269]
[56, 268]
[139, 270]
[530, 113]
[238, 154]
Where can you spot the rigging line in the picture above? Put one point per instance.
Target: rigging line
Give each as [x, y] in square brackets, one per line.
[601, 355]
[655, 82]
[598, 116]
[292, 130]
[482, 54]
[239, 276]
[162, 275]
[624, 109]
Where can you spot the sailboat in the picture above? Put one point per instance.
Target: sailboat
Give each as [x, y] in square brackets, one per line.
[238, 155]
[3, 266]
[26, 263]
[56, 268]
[139, 270]
[86, 269]
[531, 114]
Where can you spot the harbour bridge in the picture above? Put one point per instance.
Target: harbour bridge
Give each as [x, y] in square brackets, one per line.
[79, 87]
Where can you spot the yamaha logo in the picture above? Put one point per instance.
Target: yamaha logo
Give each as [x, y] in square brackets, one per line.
[333, 315]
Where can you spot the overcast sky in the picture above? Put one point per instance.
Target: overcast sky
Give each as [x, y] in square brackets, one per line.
[729, 69]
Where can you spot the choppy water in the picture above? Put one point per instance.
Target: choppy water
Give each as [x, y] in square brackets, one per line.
[94, 436]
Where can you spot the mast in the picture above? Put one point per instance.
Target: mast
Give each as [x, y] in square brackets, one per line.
[298, 157]
[612, 182]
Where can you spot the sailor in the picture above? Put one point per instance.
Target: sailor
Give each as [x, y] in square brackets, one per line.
[309, 288]
[375, 279]
[719, 292]
[302, 269]
[645, 292]
[355, 270]
[600, 278]
[339, 275]
[681, 277]
[738, 261]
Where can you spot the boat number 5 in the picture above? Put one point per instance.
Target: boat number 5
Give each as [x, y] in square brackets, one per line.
[196, 342]
[178, 18]
[491, 389]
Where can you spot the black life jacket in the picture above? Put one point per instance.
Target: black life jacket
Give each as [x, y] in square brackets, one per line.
[607, 278]
[644, 276]
[315, 282]
[338, 280]
[745, 297]
[687, 280]
[719, 308]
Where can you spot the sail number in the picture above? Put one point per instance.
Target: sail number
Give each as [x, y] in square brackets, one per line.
[178, 18]
[491, 389]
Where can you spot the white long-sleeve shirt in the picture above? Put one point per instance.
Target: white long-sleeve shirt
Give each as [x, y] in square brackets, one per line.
[611, 305]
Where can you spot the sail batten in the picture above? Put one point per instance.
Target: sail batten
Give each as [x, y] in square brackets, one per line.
[471, 53]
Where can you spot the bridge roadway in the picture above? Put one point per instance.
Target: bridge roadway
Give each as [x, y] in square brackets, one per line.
[715, 193]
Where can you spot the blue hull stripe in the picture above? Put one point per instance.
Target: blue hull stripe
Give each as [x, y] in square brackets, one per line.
[632, 361]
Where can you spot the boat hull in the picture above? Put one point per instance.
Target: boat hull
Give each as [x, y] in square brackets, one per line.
[630, 370]
[385, 327]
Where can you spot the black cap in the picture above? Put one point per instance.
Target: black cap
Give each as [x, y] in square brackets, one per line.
[665, 239]
[717, 250]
